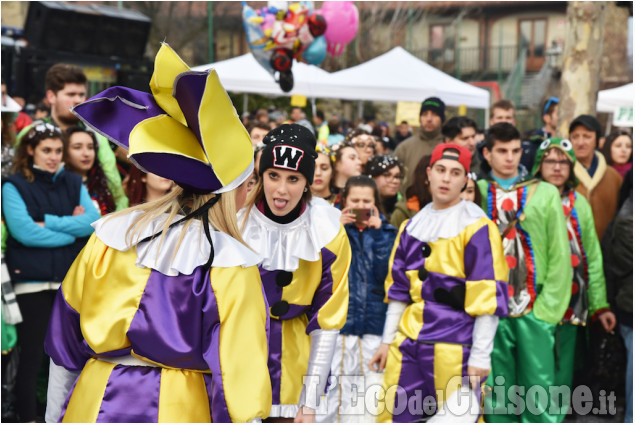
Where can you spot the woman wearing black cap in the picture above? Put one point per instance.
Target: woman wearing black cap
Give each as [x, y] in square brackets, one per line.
[304, 271]
[388, 172]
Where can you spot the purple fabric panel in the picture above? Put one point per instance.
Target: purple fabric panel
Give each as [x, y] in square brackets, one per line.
[132, 395]
[64, 341]
[479, 263]
[188, 173]
[275, 358]
[68, 397]
[502, 299]
[170, 332]
[273, 292]
[441, 323]
[113, 117]
[324, 290]
[417, 374]
[188, 92]
[215, 389]
[407, 257]
[295, 310]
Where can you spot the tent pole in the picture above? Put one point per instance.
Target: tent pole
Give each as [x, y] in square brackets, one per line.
[313, 106]
[486, 126]
[360, 109]
[245, 102]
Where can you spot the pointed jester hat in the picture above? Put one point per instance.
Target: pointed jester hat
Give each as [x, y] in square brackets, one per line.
[564, 146]
[187, 130]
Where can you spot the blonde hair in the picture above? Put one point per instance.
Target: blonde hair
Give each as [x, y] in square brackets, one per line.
[222, 215]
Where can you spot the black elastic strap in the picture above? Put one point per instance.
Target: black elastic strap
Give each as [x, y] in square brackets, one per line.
[200, 212]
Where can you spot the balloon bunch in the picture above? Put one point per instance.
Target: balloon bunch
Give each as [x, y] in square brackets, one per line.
[278, 34]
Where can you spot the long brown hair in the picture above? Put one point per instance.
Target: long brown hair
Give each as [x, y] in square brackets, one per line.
[420, 184]
[22, 161]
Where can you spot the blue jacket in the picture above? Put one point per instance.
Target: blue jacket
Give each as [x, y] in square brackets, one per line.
[371, 250]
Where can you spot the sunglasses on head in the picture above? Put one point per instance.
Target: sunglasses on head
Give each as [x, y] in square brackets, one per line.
[550, 102]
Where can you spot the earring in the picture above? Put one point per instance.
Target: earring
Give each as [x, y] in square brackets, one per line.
[306, 189]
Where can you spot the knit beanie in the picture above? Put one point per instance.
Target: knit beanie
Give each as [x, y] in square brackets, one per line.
[290, 147]
[435, 105]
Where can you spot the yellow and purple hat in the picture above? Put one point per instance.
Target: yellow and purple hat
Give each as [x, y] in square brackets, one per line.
[187, 130]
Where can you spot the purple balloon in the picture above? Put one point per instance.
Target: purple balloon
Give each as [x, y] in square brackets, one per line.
[342, 20]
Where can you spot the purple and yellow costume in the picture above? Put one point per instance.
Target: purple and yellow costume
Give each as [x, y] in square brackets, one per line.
[305, 278]
[448, 267]
[155, 323]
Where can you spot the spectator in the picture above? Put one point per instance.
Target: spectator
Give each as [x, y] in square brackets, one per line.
[371, 239]
[387, 173]
[299, 117]
[599, 183]
[534, 138]
[417, 195]
[462, 131]
[346, 164]
[66, 88]
[416, 287]
[8, 140]
[363, 142]
[618, 151]
[410, 151]
[323, 176]
[529, 217]
[554, 164]
[48, 214]
[257, 131]
[262, 116]
[335, 131]
[402, 133]
[42, 111]
[142, 187]
[321, 127]
[80, 158]
[471, 192]
[502, 111]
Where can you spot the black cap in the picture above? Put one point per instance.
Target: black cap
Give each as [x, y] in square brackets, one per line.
[590, 123]
[290, 147]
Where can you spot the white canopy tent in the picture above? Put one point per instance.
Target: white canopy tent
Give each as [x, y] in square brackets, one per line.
[618, 97]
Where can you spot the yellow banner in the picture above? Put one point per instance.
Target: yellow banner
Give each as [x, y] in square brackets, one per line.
[408, 111]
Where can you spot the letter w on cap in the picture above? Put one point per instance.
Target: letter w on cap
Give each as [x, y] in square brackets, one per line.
[287, 157]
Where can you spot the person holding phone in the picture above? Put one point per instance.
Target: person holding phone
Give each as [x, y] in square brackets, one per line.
[446, 288]
[371, 237]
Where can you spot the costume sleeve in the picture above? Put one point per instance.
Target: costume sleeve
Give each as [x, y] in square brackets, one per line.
[64, 341]
[553, 301]
[77, 225]
[593, 253]
[329, 307]
[22, 226]
[108, 163]
[483, 186]
[397, 282]
[393, 317]
[61, 380]
[483, 341]
[236, 349]
[485, 272]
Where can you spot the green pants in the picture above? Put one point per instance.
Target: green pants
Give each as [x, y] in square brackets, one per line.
[523, 369]
[566, 343]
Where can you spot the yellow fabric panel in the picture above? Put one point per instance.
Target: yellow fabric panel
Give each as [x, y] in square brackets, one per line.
[412, 320]
[415, 285]
[443, 257]
[296, 346]
[243, 346]
[225, 139]
[86, 399]
[167, 65]
[391, 380]
[304, 284]
[333, 313]
[183, 397]
[112, 289]
[480, 297]
[389, 279]
[448, 370]
[157, 135]
[73, 282]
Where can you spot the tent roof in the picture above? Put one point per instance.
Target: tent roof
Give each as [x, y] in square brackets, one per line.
[611, 99]
[392, 77]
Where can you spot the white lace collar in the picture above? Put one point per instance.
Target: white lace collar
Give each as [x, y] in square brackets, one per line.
[193, 252]
[284, 245]
[429, 224]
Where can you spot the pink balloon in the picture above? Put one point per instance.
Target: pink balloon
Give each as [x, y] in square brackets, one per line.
[342, 20]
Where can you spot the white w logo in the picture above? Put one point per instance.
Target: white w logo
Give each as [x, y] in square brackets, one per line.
[287, 157]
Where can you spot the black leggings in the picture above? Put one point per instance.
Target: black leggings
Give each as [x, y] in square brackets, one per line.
[36, 310]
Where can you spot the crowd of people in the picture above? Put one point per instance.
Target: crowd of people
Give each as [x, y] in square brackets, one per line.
[269, 267]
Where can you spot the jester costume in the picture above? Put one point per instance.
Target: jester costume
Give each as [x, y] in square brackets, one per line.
[530, 219]
[588, 288]
[448, 272]
[167, 324]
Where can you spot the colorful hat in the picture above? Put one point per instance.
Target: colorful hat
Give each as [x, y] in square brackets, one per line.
[290, 147]
[187, 130]
[465, 157]
[379, 164]
[565, 146]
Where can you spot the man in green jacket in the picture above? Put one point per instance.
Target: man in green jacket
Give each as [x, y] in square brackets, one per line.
[554, 163]
[530, 218]
[65, 88]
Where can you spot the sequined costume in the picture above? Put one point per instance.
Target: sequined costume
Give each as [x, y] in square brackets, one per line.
[305, 278]
[529, 216]
[448, 269]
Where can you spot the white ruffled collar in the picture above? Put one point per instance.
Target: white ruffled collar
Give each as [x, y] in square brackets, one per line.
[193, 252]
[429, 224]
[284, 245]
